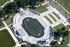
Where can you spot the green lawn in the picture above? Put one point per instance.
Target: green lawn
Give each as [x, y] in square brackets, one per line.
[10, 19]
[65, 4]
[40, 2]
[68, 27]
[56, 15]
[1, 25]
[41, 9]
[52, 17]
[68, 22]
[6, 39]
[65, 42]
[26, 45]
[58, 27]
[3, 1]
[48, 19]
[57, 31]
[66, 35]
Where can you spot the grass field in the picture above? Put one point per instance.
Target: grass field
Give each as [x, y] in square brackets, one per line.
[61, 25]
[10, 18]
[26, 45]
[41, 9]
[3, 1]
[5, 39]
[68, 21]
[56, 15]
[1, 25]
[66, 35]
[65, 42]
[48, 19]
[33, 27]
[65, 4]
[52, 17]
[58, 27]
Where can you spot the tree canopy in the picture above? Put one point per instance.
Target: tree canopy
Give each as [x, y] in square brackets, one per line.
[24, 3]
[10, 8]
[35, 45]
[2, 13]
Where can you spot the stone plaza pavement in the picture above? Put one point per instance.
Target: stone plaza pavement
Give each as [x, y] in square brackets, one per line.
[59, 21]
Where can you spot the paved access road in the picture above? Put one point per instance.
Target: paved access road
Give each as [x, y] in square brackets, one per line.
[59, 9]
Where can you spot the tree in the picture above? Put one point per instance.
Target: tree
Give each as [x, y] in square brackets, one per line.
[63, 28]
[10, 8]
[35, 45]
[2, 13]
[53, 43]
[41, 0]
[66, 33]
[23, 46]
[24, 3]
[59, 31]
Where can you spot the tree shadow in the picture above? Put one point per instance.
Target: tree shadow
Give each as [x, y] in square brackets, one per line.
[66, 33]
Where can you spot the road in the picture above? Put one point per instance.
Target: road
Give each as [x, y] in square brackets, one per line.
[59, 9]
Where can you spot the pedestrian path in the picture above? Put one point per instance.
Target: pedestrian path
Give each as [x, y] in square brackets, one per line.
[3, 28]
[41, 4]
[7, 3]
[46, 21]
[12, 35]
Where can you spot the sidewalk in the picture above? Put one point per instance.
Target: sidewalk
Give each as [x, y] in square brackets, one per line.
[12, 35]
[3, 28]
[7, 3]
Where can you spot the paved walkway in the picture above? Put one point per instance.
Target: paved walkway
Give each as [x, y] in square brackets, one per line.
[6, 3]
[3, 28]
[45, 20]
[41, 20]
[12, 0]
[42, 4]
[14, 38]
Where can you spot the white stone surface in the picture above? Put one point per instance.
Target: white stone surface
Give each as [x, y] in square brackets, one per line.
[17, 22]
